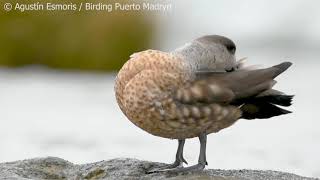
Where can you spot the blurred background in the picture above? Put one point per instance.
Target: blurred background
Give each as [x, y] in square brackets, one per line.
[57, 73]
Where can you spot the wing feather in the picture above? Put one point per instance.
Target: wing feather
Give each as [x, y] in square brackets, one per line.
[227, 87]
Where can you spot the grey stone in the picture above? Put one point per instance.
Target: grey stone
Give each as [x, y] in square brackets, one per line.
[123, 168]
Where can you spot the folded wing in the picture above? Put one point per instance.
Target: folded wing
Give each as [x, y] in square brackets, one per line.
[251, 90]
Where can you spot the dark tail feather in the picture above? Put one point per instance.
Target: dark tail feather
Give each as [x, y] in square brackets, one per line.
[282, 100]
[261, 110]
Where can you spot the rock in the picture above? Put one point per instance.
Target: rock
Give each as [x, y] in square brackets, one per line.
[123, 168]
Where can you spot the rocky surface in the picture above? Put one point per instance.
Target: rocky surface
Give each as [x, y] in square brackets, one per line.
[115, 169]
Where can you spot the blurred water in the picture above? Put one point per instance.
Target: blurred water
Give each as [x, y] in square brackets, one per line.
[288, 24]
[74, 116]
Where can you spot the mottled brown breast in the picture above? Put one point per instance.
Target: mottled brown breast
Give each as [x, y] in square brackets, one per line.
[136, 79]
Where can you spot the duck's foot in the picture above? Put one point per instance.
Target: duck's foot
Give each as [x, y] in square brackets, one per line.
[176, 166]
[180, 169]
[177, 163]
[166, 167]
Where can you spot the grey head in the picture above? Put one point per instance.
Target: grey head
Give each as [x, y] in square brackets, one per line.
[210, 53]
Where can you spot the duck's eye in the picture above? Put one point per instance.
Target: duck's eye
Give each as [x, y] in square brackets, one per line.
[230, 70]
[231, 49]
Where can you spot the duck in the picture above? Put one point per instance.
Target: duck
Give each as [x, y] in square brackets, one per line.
[196, 90]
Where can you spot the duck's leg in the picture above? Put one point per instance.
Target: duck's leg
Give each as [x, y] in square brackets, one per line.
[178, 162]
[202, 161]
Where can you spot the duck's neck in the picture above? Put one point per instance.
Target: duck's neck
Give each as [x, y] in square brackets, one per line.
[195, 55]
